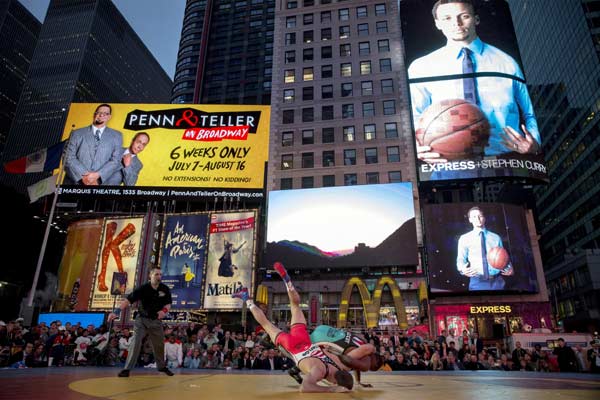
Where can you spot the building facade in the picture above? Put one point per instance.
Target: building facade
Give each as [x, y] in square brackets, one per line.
[87, 52]
[225, 52]
[19, 31]
[566, 95]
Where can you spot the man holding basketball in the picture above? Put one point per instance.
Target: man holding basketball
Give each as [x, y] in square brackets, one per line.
[472, 260]
[504, 101]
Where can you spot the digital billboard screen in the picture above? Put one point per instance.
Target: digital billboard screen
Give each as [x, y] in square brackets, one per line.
[165, 150]
[342, 226]
[471, 110]
[474, 247]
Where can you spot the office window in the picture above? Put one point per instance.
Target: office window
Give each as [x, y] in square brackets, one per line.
[309, 3]
[308, 114]
[344, 14]
[346, 69]
[369, 131]
[290, 38]
[288, 96]
[329, 158]
[349, 157]
[307, 19]
[308, 55]
[325, 16]
[344, 32]
[308, 74]
[326, 52]
[347, 89]
[385, 65]
[291, 4]
[285, 184]
[383, 45]
[371, 155]
[348, 134]
[365, 67]
[363, 29]
[290, 22]
[289, 75]
[361, 12]
[308, 93]
[389, 107]
[387, 86]
[326, 34]
[368, 109]
[326, 71]
[288, 116]
[308, 160]
[328, 134]
[350, 180]
[347, 110]
[287, 161]
[366, 88]
[327, 92]
[290, 56]
[381, 26]
[364, 48]
[372, 178]
[308, 136]
[393, 154]
[391, 130]
[394, 176]
[328, 180]
[308, 182]
[308, 36]
[380, 9]
[287, 139]
[345, 50]
[327, 113]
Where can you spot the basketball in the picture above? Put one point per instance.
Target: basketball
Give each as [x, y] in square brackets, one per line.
[497, 257]
[454, 128]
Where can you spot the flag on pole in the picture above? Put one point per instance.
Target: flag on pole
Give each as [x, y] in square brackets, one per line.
[47, 159]
[42, 188]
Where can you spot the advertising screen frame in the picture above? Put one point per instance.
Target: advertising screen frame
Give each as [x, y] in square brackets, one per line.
[470, 137]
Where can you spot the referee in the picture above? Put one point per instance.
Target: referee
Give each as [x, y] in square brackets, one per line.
[155, 302]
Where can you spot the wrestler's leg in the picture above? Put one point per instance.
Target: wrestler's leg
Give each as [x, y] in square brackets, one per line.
[292, 294]
[258, 314]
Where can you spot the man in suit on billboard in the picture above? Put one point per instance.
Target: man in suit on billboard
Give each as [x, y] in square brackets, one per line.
[93, 153]
[130, 165]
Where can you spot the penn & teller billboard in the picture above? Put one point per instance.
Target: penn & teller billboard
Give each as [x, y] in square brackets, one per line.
[472, 113]
[165, 150]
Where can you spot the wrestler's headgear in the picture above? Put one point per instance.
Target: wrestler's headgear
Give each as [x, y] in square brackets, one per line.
[376, 362]
[343, 378]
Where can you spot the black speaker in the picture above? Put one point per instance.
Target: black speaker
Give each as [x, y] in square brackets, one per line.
[498, 331]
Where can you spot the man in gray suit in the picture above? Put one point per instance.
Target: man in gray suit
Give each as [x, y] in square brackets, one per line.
[94, 152]
[131, 165]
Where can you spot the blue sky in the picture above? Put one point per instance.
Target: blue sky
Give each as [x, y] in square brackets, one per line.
[157, 23]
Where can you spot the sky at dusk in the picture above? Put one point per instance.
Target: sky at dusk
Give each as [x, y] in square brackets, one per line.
[157, 23]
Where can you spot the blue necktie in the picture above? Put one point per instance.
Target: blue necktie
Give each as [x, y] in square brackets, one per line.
[484, 261]
[469, 84]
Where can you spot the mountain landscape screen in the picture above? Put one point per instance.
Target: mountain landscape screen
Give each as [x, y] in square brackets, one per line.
[343, 226]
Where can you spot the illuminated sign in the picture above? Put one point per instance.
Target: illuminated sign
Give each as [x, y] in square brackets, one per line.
[490, 310]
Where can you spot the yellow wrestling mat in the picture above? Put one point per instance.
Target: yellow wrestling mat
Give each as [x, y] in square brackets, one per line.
[468, 385]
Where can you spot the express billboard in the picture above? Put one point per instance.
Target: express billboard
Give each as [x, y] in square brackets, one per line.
[472, 113]
[473, 247]
[165, 150]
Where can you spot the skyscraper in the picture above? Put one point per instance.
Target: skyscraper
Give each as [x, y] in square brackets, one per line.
[87, 52]
[339, 114]
[19, 31]
[565, 89]
[225, 52]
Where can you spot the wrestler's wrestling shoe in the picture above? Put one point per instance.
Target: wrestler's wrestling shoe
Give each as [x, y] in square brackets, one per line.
[166, 370]
[241, 294]
[294, 372]
[282, 271]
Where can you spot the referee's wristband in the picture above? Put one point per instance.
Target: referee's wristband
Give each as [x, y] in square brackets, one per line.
[165, 310]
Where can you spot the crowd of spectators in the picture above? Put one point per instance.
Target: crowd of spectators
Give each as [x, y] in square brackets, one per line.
[198, 346]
